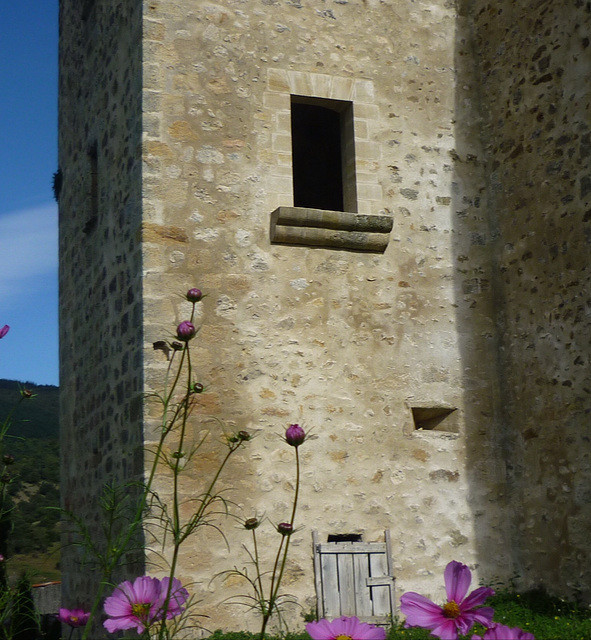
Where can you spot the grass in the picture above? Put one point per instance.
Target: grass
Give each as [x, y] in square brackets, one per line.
[547, 617]
[39, 567]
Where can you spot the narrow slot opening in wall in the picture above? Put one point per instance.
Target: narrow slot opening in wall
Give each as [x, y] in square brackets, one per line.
[323, 154]
[87, 7]
[441, 419]
[93, 195]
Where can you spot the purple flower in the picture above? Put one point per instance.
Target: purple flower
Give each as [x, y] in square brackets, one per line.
[139, 605]
[501, 632]
[344, 629]
[185, 331]
[4, 330]
[194, 295]
[73, 617]
[295, 435]
[458, 614]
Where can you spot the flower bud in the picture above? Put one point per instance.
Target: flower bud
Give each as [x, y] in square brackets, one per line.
[185, 331]
[194, 295]
[251, 523]
[197, 387]
[177, 346]
[295, 435]
[8, 459]
[285, 528]
[26, 393]
[240, 436]
[4, 330]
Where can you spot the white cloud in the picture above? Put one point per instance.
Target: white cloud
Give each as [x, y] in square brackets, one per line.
[28, 248]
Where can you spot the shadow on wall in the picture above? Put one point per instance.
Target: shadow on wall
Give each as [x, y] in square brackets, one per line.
[522, 218]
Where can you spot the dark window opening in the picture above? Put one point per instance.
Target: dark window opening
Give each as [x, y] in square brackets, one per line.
[323, 154]
[344, 537]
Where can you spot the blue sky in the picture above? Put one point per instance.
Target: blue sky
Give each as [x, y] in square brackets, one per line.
[28, 213]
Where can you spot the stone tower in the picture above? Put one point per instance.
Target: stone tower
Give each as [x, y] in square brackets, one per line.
[388, 204]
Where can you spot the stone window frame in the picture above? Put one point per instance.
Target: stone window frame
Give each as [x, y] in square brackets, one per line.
[362, 230]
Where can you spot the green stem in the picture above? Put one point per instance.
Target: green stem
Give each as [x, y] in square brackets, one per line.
[258, 568]
[295, 503]
[176, 523]
[177, 469]
[8, 420]
[271, 602]
[276, 579]
[205, 501]
[93, 611]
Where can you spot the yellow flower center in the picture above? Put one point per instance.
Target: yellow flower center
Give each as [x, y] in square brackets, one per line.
[74, 618]
[451, 609]
[140, 610]
[343, 638]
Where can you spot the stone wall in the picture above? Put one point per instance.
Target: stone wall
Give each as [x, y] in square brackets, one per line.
[535, 96]
[100, 264]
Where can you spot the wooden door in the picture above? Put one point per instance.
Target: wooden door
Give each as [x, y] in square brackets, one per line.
[354, 579]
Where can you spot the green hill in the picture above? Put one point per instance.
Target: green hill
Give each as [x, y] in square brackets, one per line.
[32, 527]
[37, 417]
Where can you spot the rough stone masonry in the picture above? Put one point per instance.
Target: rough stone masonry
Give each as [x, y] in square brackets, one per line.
[443, 367]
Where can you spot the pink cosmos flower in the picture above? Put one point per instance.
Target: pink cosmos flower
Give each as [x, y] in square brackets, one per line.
[4, 330]
[139, 605]
[133, 606]
[458, 614]
[501, 632]
[178, 597]
[344, 629]
[73, 617]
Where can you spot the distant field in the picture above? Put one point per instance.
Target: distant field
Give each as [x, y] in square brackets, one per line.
[40, 567]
